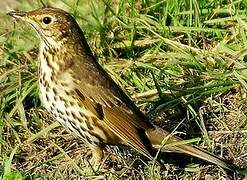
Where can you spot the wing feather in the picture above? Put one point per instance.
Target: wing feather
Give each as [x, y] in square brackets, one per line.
[120, 114]
[119, 123]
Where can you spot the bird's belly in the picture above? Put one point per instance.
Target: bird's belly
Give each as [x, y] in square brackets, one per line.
[69, 113]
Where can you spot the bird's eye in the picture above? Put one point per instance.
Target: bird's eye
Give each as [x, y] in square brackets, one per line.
[47, 20]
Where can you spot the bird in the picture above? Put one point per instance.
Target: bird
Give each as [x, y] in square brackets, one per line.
[83, 97]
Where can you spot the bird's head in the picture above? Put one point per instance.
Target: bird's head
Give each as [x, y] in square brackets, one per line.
[52, 25]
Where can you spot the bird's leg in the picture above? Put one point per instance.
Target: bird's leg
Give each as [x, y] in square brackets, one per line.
[97, 155]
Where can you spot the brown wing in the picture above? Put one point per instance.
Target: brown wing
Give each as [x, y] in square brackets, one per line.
[109, 103]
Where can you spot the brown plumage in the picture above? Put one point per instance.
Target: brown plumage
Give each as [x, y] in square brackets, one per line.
[83, 97]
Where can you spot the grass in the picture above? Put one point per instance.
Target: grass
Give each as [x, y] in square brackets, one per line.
[183, 62]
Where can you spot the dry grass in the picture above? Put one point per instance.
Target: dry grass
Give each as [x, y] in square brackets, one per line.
[194, 51]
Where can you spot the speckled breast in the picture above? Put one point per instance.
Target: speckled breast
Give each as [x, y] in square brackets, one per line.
[57, 96]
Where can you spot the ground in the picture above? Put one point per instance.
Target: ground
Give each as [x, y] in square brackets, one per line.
[182, 62]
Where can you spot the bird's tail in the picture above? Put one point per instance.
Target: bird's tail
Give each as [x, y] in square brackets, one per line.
[157, 136]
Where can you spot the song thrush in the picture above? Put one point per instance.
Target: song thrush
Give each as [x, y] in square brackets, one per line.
[79, 93]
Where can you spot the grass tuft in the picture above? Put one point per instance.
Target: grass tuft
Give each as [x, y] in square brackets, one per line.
[183, 62]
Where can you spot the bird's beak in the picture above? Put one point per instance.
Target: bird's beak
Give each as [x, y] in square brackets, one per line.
[18, 14]
[24, 16]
